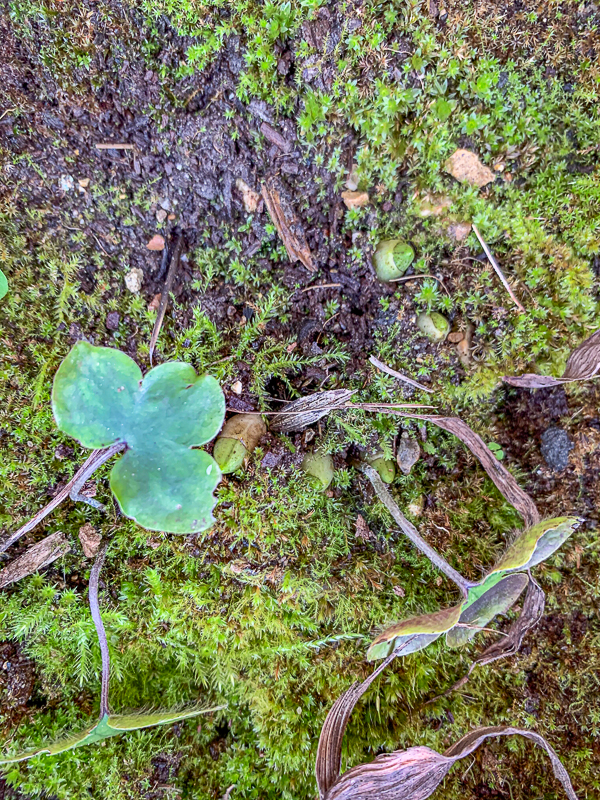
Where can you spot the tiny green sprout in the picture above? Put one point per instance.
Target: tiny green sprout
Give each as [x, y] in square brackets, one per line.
[319, 468]
[3, 285]
[392, 258]
[239, 437]
[496, 450]
[435, 326]
[100, 398]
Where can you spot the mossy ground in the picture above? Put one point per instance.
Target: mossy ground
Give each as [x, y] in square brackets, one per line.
[271, 610]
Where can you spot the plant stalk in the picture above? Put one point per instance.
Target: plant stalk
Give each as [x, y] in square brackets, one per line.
[409, 530]
[94, 460]
[99, 625]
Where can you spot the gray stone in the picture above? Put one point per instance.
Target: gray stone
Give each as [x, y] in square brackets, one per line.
[555, 448]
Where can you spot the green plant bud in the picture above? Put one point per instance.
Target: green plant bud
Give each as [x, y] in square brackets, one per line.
[240, 435]
[435, 326]
[386, 469]
[392, 258]
[319, 467]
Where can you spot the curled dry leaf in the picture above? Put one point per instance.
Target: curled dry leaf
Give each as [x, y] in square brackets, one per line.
[583, 364]
[414, 774]
[466, 167]
[308, 410]
[35, 557]
[287, 224]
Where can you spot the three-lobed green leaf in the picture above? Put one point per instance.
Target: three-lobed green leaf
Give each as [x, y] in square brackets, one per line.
[100, 398]
[3, 285]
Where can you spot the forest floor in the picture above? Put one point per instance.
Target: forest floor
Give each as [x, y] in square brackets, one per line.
[272, 609]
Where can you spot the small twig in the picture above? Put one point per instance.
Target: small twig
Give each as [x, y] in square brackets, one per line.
[99, 625]
[384, 368]
[421, 275]
[409, 530]
[114, 146]
[164, 297]
[321, 286]
[95, 460]
[499, 272]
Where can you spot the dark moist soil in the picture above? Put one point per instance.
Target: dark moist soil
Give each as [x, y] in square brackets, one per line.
[193, 162]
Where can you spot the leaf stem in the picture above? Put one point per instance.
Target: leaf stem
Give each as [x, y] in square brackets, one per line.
[409, 530]
[99, 625]
[94, 460]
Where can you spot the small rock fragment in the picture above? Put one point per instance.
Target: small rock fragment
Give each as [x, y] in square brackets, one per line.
[165, 203]
[134, 279]
[154, 304]
[355, 199]
[250, 198]
[352, 179]
[157, 242]
[67, 183]
[399, 591]
[84, 182]
[433, 205]
[456, 336]
[161, 215]
[465, 166]
[415, 507]
[555, 448]
[459, 230]
[90, 540]
[362, 529]
[408, 453]
[112, 320]
[172, 217]
[236, 387]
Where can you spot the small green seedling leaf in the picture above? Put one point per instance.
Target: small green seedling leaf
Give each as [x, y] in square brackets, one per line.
[482, 606]
[109, 725]
[100, 398]
[415, 633]
[319, 468]
[537, 544]
[3, 285]
[392, 258]
[385, 468]
[240, 435]
[435, 326]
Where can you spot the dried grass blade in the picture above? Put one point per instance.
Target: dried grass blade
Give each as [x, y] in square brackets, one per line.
[583, 364]
[288, 226]
[164, 296]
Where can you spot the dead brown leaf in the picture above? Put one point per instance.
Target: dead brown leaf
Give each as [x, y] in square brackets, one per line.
[362, 529]
[287, 224]
[34, 558]
[90, 540]
[466, 167]
[459, 230]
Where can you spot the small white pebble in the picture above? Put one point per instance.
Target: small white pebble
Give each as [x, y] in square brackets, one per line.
[134, 280]
[237, 387]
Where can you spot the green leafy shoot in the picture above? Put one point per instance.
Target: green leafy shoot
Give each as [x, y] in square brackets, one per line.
[494, 595]
[108, 724]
